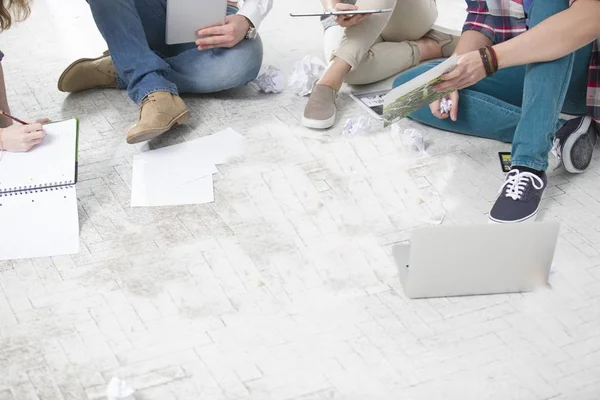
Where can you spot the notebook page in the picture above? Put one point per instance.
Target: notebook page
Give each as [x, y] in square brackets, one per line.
[50, 163]
[39, 224]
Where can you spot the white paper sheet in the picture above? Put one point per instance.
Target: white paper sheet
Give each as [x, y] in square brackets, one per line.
[149, 190]
[214, 149]
[171, 170]
[49, 163]
[41, 224]
[182, 174]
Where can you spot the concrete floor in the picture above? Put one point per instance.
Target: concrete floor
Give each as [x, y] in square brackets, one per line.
[284, 287]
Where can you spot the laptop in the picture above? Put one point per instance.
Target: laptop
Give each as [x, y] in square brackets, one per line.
[451, 260]
[372, 101]
[186, 17]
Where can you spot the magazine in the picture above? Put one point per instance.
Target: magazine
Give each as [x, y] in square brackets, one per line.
[416, 94]
[372, 102]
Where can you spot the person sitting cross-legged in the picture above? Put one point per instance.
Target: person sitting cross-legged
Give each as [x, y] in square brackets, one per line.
[521, 63]
[154, 73]
[363, 49]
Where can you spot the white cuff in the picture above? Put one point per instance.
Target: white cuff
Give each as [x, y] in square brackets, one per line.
[253, 12]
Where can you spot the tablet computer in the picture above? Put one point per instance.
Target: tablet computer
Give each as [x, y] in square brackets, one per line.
[186, 17]
[349, 12]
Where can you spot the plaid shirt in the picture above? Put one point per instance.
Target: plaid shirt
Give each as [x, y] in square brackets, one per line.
[501, 20]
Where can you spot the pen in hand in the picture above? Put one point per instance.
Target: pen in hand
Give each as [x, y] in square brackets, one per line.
[23, 137]
[13, 118]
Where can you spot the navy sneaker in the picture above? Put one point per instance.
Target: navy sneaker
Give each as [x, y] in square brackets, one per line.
[575, 143]
[519, 198]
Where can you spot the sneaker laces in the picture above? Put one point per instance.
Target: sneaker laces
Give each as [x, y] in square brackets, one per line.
[517, 181]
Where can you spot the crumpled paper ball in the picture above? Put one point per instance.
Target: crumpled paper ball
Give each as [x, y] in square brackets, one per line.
[119, 390]
[411, 138]
[557, 155]
[272, 81]
[445, 105]
[357, 126]
[306, 73]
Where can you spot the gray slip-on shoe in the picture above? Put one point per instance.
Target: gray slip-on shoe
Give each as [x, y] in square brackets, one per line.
[320, 109]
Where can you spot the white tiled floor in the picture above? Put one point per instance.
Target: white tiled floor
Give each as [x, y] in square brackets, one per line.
[284, 287]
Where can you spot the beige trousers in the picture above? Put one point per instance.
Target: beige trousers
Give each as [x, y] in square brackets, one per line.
[382, 45]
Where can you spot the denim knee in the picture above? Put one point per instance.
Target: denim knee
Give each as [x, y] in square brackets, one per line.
[246, 60]
[414, 72]
[215, 70]
[241, 64]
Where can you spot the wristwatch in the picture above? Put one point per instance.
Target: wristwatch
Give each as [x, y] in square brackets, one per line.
[252, 32]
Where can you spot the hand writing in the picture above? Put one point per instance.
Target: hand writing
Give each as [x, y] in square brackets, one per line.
[20, 138]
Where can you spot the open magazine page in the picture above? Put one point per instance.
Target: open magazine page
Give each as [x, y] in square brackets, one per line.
[415, 94]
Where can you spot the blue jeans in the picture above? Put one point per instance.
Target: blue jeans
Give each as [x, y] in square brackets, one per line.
[519, 105]
[135, 33]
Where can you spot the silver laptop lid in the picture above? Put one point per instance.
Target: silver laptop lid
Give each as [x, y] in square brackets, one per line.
[480, 259]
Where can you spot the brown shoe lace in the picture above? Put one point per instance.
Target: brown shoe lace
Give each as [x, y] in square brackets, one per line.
[146, 100]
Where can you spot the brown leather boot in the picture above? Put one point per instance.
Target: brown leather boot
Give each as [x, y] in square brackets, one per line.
[159, 112]
[89, 73]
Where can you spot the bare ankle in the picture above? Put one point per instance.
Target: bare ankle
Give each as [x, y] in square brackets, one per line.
[429, 49]
[335, 73]
[333, 82]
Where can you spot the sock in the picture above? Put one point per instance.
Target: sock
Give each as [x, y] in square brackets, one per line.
[527, 169]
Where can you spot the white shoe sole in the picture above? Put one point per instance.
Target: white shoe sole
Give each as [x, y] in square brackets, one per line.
[318, 124]
[582, 129]
[530, 218]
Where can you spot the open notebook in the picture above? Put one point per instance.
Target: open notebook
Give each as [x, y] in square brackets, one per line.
[38, 203]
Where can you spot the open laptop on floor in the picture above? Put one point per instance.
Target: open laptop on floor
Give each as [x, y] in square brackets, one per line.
[451, 260]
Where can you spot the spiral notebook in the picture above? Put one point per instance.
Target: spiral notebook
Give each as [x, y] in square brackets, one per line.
[38, 202]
